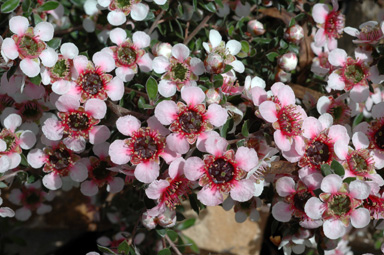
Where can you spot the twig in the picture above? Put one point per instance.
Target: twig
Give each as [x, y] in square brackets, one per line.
[7, 176]
[68, 30]
[173, 245]
[198, 28]
[121, 111]
[187, 29]
[156, 22]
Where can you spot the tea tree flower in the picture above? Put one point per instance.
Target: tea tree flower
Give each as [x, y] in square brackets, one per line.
[119, 9]
[371, 32]
[28, 44]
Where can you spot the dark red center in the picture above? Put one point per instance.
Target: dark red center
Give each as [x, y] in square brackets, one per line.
[145, 147]
[92, 83]
[190, 122]
[221, 171]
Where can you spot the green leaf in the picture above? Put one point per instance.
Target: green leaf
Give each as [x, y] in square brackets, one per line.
[245, 129]
[231, 29]
[227, 68]
[194, 5]
[106, 250]
[9, 6]
[245, 46]
[292, 22]
[272, 56]
[25, 5]
[186, 224]
[349, 180]
[326, 170]
[192, 243]
[123, 247]
[152, 88]
[36, 80]
[165, 251]
[161, 232]
[3, 185]
[54, 43]
[172, 235]
[217, 80]
[338, 168]
[226, 128]
[210, 7]
[357, 119]
[219, 3]
[50, 5]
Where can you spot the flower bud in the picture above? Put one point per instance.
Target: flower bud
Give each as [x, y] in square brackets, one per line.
[213, 96]
[267, 3]
[294, 34]
[255, 27]
[288, 61]
[214, 63]
[162, 49]
[282, 76]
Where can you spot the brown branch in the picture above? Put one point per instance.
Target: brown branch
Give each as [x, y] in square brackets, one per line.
[68, 30]
[198, 28]
[121, 111]
[156, 22]
[173, 245]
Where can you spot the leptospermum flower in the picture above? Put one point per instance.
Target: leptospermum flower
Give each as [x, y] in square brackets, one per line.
[358, 162]
[375, 134]
[337, 107]
[222, 172]
[60, 75]
[129, 54]
[143, 148]
[5, 211]
[28, 44]
[167, 219]
[189, 123]
[320, 64]
[171, 191]
[179, 70]
[12, 141]
[31, 197]
[119, 9]
[221, 54]
[286, 116]
[57, 161]
[339, 205]
[371, 32]
[330, 23]
[77, 123]
[92, 80]
[101, 171]
[375, 201]
[351, 75]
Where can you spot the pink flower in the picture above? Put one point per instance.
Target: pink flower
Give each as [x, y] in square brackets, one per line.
[375, 201]
[371, 32]
[31, 198]
[222, 172]
[330, 24]
[101, 172]
[129, 54]
[179, 70]
[120, 9]
[320, 64]
[190, 122]
[143, 148]
[231, 85]
[28, 44]
[167, 219]
[57, 161]
[374, 132]
[171, 191]
[337, 107]
[338, 205]
[350, 75]
[286, 116]
[6, 211]
[77, 123]
[92, 80]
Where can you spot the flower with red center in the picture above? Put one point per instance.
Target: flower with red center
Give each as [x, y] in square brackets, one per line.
[129, 54]
[179, 70]
[286, 116]
[337, 107]
[57, 161]
[222, 172]
[31, 197]
[143, 148]
[6, 101]
[60, 75]
[92, 80]
[119, 9]
[31, 110]
[12, 142]
[375, 133]
[230, 85]
[28, 44]
[320, 138]
[221, 54]
[190, 122]
[320, 64]
[294, 198]
[101, 172]
[330, 24]
[339, 205]
[358, 163]
[166, 219]
[375, 201]
[371, 32]
[171, 191]
[77, 123]
[349, 75]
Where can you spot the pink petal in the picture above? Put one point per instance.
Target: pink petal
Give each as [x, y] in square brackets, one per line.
[314, 208]
[337, 57]
[125, 73]
[116, 185]
[116, 18]
[176, 168]
[180, 52]
[30, 67]
[147, 172]
[334, 229]
[75, 144]
[53, 129]
[281, 211]
[104, 61]
[378, 158]
[139, 11]
[323, 104]
[360, 217]
[320, 12]
[360, 140]
[78, 172]
[69, 50]
[197, 66]
[61, 87]
[128, 124]
[80, 63]
[259, 95]
[23, 214]
[359, 189]
[9, 48]
[155, 124]
[335, 81]
[268, 111]
[341, 150]
[118, 35]
[201, 139]
[160, 64]
[313, 181]
[233, 47]
[217, 115]
[238, 66]
[216, 146]
[320, 37]
[338, 133]
[311, 127]
[282, 141]
[177, 143]
[246, 158]
[378, 110]
[359, 94]
[12, 121]
[52, 181]
[145, 63]
[166, 112]
[285, 186]
[115, 89]
[5, 163]
[36, 158]
[44, 30]
[89, 188]
[96, 107]
[27, 139]
[156, 188]
[6, 212]
[101, 150]
[192, 95]
[67, 103]
[286, 96]
[18, 25]
[117, 152]
[209, 196]
[326, 120]
[194, 168]
[331, 183]
[243, 190]
[99, 134]
[141, 39]
[167, 88]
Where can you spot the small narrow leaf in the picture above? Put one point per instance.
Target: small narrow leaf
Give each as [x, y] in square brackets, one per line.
[272, 56]
[186, 224]
[326, 170]
[338, 168]
[36, 80]
[48, 6]
[161, 232]
[245, 129]
[165, 251]
[152, 88]
[210, 7]
[106, 250]
[54, 43]
[9, 6]
[226, 128]
[172, 235]
[123, 247]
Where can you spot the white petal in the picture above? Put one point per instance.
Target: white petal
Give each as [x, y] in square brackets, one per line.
[18, 25]
[116, 18]
[139, 11]
[48, 57]
[44, 30]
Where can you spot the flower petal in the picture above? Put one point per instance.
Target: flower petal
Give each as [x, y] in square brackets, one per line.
[117, 152]
[139, 11]
[18, 25]
[281, 211]
[147, 172]
[44, 30]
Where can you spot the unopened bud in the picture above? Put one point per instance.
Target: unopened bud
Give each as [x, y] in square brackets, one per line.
[282, 76]
[255, 27]
[162, 49]
[294, 34]
[288, 61]
[214, 63]
[213, 96]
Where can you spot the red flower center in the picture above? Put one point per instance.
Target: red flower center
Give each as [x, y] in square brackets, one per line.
[145, 145]
[221, 171]
[334, 24]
